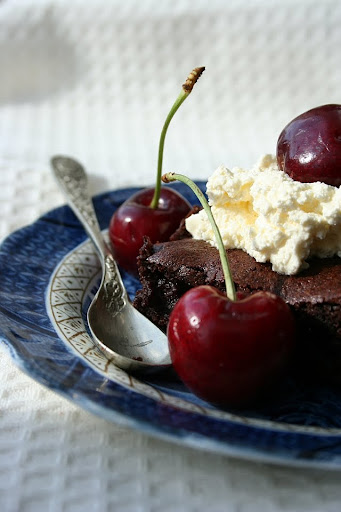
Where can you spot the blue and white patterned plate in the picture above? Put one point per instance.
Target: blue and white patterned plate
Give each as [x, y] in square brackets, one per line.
[49, 273]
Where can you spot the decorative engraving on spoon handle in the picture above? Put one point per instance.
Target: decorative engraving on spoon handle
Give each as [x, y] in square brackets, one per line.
[115, 293]
[72, 177]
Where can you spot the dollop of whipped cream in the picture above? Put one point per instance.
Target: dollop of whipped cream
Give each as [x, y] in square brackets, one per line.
[271, 217]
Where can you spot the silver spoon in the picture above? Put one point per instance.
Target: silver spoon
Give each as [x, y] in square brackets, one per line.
[127, 337]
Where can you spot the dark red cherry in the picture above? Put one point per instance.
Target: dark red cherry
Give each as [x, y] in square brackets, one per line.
[155, 213]
[227, 352]
[135, 219]
[309, 147]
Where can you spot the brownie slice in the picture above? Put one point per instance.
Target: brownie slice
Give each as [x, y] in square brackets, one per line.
[167, 270]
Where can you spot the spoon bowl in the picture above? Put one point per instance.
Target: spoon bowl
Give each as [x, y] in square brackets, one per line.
[128, 339]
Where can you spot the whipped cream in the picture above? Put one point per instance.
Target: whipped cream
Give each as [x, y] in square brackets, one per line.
[272, 217]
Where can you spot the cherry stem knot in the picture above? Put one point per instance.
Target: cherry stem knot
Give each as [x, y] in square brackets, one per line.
[187, 87]
[230, 288]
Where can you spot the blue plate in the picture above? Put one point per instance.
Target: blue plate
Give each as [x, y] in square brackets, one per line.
[49, 273]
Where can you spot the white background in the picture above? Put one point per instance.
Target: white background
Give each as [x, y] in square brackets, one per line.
[95, 79]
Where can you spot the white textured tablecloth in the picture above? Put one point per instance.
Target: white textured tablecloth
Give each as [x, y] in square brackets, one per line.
[95, 80]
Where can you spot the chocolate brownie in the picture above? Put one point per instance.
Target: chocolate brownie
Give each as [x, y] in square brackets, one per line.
[167, 270]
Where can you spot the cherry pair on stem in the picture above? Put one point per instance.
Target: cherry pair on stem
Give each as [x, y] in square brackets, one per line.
[225, 349]
[153, 212]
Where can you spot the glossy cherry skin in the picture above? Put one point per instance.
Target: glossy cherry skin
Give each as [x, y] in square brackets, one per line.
[228, 352]
[309, 147]
[134, 220]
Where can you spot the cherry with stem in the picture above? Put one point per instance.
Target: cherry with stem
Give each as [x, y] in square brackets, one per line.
[228, 351]
[152, 212]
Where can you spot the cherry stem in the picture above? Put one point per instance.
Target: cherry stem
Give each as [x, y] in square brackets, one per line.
[230, 288]
[187, 87]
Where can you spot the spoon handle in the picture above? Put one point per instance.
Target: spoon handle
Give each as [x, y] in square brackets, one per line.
[72, 179]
